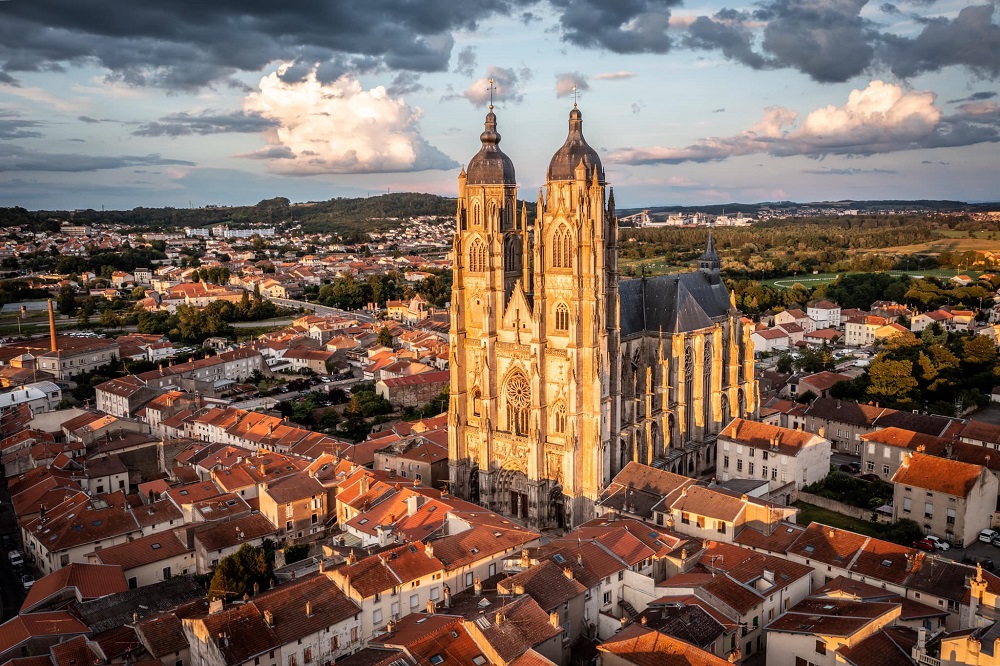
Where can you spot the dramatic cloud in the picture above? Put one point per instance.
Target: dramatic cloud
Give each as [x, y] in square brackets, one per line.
[614, 76]
[972, 39]
[882, 118]
[847, 172]
[13, 127]
[568, 83]
[323, 128]
[16, 158]
[405, 83]
[185, 45]
[465, 61]
[727, 33]
[185, 124]
[506, 86]
[623, 26]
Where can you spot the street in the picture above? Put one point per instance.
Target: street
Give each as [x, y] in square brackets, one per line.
[10, 580]
[321, 310]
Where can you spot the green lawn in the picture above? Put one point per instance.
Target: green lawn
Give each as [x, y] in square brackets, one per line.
[808, 280]
[809, 513]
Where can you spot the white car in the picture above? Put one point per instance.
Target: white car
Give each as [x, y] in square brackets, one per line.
[15, 558]
[939, 544]
[987, 536]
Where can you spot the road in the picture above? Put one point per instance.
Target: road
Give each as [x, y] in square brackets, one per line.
[11, 591]
[321, 310]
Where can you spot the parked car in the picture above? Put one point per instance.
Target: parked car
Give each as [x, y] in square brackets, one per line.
[996, 540]
[923, 544]
[15, 557]
[853, 467]
[987, 536]
[939, 544]
[27, 580]
[870, 477]
[985, 563]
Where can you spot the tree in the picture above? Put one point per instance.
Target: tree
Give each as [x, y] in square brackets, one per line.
[110, 319]
[236, 574]
[890, 380]
[139, 293]
[979, 350]
[385, 337]
[66, 301]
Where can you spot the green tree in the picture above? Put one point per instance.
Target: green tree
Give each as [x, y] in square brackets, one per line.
[979, 350]
[110, 319]
[890, 380]
[385, 337]
[139, 293]
[236, 574]
[66, 301]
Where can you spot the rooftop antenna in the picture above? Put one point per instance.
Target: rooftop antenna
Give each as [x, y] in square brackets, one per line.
[491, 88]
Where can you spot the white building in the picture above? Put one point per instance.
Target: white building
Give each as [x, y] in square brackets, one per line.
[825, 313]
[754, 450]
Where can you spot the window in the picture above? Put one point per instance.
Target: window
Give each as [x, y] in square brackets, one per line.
[753, 452]
[414, 601]
[435, 593]
[821, 647]
[928, 510]
[739, 464]
[477, 256]
[477, 395]
[764, 471]
[377, 617]
[871, 465]
[307, 655]
[721, 527]
[774, 473]
[885, 470]
[559, 419]
[335, 643]
[518, 397]
[468, 579]
[725, 461]
[907, 505]
[395, 610]
[293, 660]
[166, 573]
[750, 467]
[685, 518]
[562, 248]
[607, 598]
[951, 516]
[701, 522]
[562, 317]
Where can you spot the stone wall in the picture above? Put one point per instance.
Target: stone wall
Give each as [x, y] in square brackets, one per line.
[834, 505]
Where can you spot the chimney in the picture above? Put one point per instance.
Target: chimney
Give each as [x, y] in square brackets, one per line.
[477, 586]
[269, 618]
[309, 609]
[518, 588]
[429, 549]
[554, 619]
[352, 558]
[215, 606]
[322, 565]
[364, 484]
[390, 626]
[412, 504]
[447, 597]
[642, 620]
[430, 607]
[579, 559]
[525, 560]
[52, 327]
[568, 573]
[500, 618]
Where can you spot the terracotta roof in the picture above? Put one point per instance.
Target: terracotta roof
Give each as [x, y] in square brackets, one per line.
[246, 634]
[234, 532]
[708, 502]
[546, 583]
[521, 626]
[829, 545]
[287, 604]
[146, 550]
[638, 488]
[778, 541]
[388, 569]
[645, 647]
[831, 617]
[87, 581]
[938, 474]
[892, 646]
[760, 435]
[20, 628]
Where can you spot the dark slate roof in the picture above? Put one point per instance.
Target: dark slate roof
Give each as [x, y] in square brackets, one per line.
[115, 610]
[490, 166]
[574, 151]
[672, 303]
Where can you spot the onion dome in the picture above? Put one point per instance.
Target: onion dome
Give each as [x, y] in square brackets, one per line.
[576, 149]
[490, 166]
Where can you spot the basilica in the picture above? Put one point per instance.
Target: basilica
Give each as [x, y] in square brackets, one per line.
[562, 371]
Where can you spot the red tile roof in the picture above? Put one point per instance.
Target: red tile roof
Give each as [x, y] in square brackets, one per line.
[140, 552]
[644, 647]
[87, 581]
[938, 474]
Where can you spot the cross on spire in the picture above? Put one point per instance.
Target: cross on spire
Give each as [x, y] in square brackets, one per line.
[576, 95]
[491, 88]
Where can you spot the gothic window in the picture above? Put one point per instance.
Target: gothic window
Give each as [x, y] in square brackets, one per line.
[725, 410]
[689, 363]
[511, 254]
[708, 357]
[477, 256]
[476, 397]
[477, 214]
[562, 248]
[559, 419]
[636, 368]
[518, 397]
[562, 317]
[741, 401]
[493, 213]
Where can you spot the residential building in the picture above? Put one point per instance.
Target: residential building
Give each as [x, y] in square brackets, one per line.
[296, 504]
[949, 499]
[754, 450]
[825, 313]
[122, 397]
[860, 331]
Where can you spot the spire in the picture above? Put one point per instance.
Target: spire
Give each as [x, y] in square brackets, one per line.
[709, 262]
[490, 166]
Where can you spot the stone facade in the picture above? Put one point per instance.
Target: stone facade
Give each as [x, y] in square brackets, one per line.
[561, 373]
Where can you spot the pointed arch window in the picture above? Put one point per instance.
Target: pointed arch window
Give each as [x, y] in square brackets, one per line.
[562, 317]
[493, 218]
[559, 419]
[562, 248]
[512, 254]
[477, 256]
[477, 214]
[477, 396]
[517, 395]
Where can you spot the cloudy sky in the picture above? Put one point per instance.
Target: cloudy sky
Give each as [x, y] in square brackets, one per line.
[122, 103]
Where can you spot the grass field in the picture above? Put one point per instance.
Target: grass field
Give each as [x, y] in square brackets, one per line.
[827, 278]
[653, 266]
[809, 513]
[950, 241]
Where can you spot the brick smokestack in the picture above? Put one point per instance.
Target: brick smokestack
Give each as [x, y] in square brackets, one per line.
[52, 327]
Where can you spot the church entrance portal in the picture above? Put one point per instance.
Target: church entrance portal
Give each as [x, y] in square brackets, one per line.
[512, 492]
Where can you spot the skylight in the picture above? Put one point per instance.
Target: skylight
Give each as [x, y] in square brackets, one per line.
[436, 659]
[155, 546]
[362, 521]
[558, 558]
[887, 563]
[810, 548]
